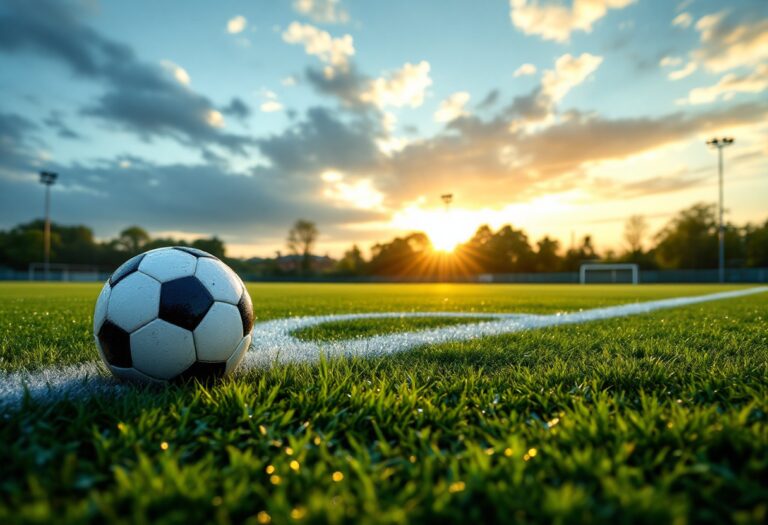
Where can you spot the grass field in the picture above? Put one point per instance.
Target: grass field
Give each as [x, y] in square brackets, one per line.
[656, 418]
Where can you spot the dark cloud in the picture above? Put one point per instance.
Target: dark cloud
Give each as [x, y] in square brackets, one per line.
[56, 122]
[15, 143]
[321, 141]
[346, 85]
[489, 100]
[139, 96]
[237, 108]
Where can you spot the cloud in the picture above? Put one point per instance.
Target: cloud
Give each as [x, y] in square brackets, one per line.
[236, 24]
[406, 86]
[557, 22]
[138, 96]
[270, 103]
[237, 108]
[679, 74]
[56, 122]
[452, 107]
[178, 72]
[524, 70]
[731, 84]
[728, 42]
[489, 100]
[323, 141]
[683, 20]
[485, 161]
[319, 43]
[322, 11]
[669, 61]
[569, 72]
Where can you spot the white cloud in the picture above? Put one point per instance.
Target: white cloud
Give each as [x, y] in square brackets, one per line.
[322, 11]
[270, 106]
[406, 86]
[360, 194]
[679, 74]
[178, 72]
[569, 72]
[556, 21]
[683, 20]
[726, 45]
[670, 61]
[236, 24]
[289, 81]
[730, 85]
[270, 103]
[214, 119]
[452, 107]
[333, 51]
[524, 70]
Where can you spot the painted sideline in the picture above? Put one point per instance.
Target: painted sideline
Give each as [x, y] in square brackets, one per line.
[273, 343]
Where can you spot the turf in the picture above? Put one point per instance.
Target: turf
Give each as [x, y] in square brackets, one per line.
[655, 418]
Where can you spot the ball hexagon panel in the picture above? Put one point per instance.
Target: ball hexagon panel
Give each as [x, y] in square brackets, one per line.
[168, 264]
[100, 312]
[184, 302]
[203, 371]
[125, 269]
[115, 344]
[195, 252]
[234, 361]
[219, 333]
[162, 350]
[134, 301]
[246, 311]
[220, 281]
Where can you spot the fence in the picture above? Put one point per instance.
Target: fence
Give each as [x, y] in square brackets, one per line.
[732, 275]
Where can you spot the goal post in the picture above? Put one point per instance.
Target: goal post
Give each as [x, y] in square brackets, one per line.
[597, 273]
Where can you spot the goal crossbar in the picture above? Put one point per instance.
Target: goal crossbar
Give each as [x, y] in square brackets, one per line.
[611, 267]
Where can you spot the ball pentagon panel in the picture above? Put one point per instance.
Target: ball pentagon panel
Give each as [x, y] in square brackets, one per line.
[184, 302]
[126, 269]
[115, 344]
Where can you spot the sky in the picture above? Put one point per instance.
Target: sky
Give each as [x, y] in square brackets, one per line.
[235, 118]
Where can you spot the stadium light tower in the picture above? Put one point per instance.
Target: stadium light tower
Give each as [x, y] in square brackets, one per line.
[720, 143]
[48, 179]
[447, 198]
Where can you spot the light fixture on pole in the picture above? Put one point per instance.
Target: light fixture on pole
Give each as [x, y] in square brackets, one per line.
[720, 143]
[48, 179]
[447, 198]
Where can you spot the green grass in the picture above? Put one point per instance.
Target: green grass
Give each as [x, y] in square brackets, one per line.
[657, 418]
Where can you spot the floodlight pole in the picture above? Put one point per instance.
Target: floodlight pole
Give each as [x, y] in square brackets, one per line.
[47, 178]
[720, 143]
[447, 198]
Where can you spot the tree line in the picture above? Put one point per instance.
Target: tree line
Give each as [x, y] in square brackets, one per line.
[688, 241]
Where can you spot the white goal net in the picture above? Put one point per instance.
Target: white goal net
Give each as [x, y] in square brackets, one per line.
[625, 273]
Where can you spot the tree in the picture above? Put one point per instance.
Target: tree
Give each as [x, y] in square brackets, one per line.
[133, 239]
[212, 245]
[756, 245]
[689, 240]
[352, 263]
[547, 259]
[301, 240]
[635, 230]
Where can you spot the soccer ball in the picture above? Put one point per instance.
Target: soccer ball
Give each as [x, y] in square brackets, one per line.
[173, 313]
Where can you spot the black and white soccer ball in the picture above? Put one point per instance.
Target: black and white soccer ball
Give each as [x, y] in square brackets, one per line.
[173, 314]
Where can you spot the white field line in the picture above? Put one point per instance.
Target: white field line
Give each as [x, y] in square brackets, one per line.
[273, 343]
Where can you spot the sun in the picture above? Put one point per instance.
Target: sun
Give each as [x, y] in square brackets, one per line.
[444, 239]
[445, 229]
